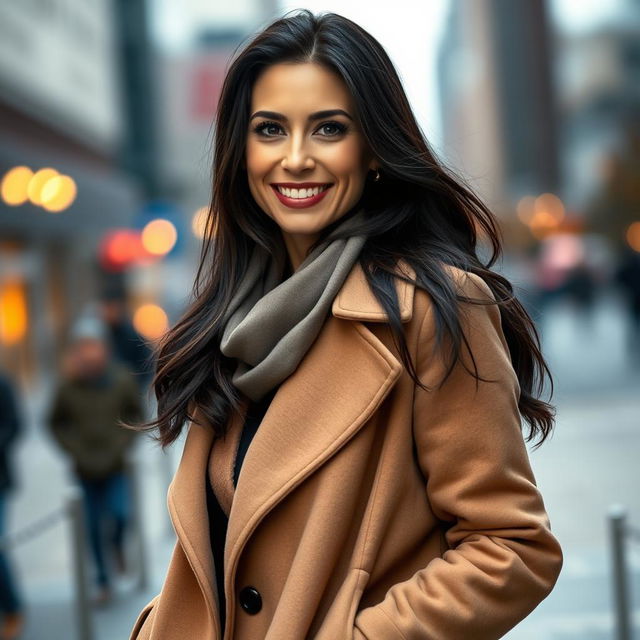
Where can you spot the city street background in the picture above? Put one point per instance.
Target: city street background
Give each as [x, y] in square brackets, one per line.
[106, 114]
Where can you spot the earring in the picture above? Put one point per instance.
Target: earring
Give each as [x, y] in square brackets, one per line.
[377, 176]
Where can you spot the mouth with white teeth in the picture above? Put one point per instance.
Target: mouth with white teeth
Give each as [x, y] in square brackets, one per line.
[300, 198]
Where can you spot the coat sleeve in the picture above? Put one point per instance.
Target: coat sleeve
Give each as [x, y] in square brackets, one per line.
[131, 409]
[502, 559]
[60, 424]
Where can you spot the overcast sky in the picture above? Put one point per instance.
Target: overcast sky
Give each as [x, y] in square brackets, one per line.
[409, 30]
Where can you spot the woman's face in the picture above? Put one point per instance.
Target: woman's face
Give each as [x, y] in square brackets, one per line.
[295, 147]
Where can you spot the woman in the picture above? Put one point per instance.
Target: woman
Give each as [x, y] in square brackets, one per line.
[348, 331]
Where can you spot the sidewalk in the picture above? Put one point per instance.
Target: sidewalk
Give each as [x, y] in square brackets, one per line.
[589, 463]
[51, 614]
[43, 562]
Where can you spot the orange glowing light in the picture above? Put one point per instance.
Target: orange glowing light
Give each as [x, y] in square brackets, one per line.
[13, 312]
[150, 321]
[551, 207]
[633, 236]
[542, 214]
[525, 209]
[159, 236]
[58, 193]
[37, 182]
[14, 185]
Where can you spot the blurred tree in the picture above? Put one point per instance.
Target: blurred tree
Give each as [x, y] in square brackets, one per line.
[617, 203]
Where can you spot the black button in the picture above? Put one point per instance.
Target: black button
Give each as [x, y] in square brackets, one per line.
[250, 600]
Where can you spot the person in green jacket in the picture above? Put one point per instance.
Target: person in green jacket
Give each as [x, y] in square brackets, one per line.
[94, 393]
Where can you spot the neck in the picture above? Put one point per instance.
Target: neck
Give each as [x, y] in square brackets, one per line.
[297, 247]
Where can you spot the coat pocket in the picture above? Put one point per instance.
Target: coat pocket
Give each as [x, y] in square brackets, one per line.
[142, 618]
[338, 620]
[363, 578]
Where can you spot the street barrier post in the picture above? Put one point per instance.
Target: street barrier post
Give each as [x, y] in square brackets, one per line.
[620, 582]
[82, 607]
[137, 522]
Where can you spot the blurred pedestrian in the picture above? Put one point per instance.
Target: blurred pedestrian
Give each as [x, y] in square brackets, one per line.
[11, 602]
[95, 392]
[128, 346]
[627, 277]
[580, 289]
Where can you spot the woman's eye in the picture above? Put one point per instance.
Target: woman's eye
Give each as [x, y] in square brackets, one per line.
[270, 129]
[338, 128]
[260, 129]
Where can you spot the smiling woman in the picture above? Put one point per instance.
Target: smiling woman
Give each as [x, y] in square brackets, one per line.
[352, 375]
[302, 147]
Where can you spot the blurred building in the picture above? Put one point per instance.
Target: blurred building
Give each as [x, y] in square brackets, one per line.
[60, 109]
[193, 48]
[498, 108]
[541, 113]
[598, 77]
[122, 127]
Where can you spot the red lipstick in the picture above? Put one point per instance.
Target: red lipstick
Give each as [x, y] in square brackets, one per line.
[300, 203]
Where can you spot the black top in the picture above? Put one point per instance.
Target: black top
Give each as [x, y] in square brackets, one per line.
[217, 517]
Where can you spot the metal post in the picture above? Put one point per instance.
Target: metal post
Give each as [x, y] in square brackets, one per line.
[617, 533]
[137, 521]
[75, 509]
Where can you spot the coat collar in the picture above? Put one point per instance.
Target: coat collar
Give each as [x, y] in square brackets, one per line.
[356, 301]
[312, 415]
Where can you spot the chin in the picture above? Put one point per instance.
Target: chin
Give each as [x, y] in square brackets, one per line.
[302, 223]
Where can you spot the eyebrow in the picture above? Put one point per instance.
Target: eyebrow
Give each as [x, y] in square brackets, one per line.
[318, 115]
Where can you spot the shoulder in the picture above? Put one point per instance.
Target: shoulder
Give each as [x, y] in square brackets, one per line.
[463, 283]
[468, 283]
[476, 308]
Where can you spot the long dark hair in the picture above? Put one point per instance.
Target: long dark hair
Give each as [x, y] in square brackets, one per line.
[419, 211]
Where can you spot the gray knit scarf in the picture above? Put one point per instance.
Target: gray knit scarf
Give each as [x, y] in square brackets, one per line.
[270, 324]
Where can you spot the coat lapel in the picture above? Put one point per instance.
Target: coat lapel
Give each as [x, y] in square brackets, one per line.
[338, 385]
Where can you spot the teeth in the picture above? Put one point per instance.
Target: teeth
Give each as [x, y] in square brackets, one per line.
[301, 193]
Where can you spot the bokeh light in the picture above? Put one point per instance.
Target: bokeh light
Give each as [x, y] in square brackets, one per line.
[119, 248]
[37, 182]
[13, 312]
[633, 236]
[542, 214]
[58, 193]
[151, 321]
[15, 184]
[159, 236]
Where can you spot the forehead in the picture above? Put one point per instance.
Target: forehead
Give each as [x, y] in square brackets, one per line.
[298, 88]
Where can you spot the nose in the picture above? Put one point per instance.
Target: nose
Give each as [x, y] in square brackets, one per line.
[296, 156]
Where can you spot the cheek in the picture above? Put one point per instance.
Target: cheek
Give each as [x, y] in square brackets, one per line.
[258, 161]
[259, 164]
[346, 160]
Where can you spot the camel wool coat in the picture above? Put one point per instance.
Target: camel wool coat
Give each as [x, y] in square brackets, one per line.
[368, 508]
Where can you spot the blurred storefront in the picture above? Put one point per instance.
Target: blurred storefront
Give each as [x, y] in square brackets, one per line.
[60, 110]
[90, 102]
